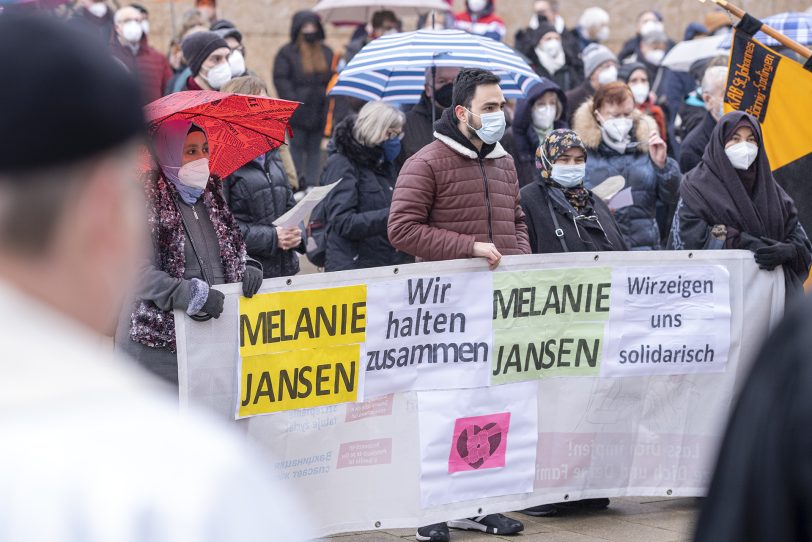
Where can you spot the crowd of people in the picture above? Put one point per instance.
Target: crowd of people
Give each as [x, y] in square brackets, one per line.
[488, 178]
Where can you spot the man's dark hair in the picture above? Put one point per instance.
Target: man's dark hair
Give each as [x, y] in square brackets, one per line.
[466, 82]
[380, 17]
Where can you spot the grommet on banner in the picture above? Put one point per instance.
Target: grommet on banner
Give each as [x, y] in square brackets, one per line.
[395, 270]
[377, 524]
[597, 257]
[479, 512]
[289, 282]
[566, 497]
[669, 492]
[690, 255]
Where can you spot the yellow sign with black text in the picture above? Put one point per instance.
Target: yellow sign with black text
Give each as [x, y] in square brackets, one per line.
[285, 321]
[299, 379]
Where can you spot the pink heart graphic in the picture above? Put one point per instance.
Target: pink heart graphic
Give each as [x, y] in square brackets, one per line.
[476, 444]
[479, 442]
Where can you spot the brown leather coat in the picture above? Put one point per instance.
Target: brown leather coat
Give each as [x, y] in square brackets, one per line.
[446, 198]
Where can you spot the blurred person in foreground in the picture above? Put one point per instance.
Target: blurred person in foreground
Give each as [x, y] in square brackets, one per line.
[130, 45]
[731, 200]
[593, 27]
[94, 449]
[763, 478]
[257, 194]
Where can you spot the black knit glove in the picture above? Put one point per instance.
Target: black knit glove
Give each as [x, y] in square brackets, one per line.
[751, 243]
[214, 303]
[774, 254]
[251, 280]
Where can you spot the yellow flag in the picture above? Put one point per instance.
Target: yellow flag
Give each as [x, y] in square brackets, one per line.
[778, 92]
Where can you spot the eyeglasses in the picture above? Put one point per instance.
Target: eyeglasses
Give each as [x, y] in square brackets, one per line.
[390, 134]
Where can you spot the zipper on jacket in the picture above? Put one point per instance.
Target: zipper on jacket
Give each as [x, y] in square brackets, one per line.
[195, 212]
[487, 198]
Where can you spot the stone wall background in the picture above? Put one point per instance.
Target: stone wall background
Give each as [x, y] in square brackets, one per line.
[266, 23]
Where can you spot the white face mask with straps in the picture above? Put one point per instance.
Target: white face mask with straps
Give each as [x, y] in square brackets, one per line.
[742, 155]
[195, 174]
[219, 75]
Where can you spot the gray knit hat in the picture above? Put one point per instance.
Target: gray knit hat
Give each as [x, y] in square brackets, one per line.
[198, 46]
[594, 55]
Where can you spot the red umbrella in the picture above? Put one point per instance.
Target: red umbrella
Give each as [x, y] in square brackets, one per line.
[239, 127]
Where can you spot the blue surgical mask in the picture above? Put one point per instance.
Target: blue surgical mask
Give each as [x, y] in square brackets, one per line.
[493, 126]
[391, 148]
[568, 176]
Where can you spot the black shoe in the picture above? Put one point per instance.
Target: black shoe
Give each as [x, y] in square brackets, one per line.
[433, 533]
[541, 511]
[583, 505]
[490, 524]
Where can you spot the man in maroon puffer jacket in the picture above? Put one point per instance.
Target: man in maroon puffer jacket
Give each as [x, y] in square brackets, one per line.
[458, 197]
[129, 45]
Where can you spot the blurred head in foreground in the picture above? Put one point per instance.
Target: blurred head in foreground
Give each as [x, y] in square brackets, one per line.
[69, 203]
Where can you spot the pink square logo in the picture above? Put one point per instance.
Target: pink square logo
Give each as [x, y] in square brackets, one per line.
[479, 443]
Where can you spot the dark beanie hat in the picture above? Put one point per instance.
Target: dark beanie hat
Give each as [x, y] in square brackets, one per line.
[68, 99]
[198, 46]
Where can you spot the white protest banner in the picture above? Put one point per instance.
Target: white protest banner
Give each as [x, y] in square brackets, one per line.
[642, 434]
[428, 333]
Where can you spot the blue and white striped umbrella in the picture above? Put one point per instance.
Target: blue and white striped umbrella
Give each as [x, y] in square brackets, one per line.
[392, 68]
[795, 26]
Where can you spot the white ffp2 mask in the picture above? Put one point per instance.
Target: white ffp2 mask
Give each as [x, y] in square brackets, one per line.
[195, 174]
[742, 155]
[219, 75]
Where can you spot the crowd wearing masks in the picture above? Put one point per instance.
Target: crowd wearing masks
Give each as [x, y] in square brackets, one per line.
[462, 173]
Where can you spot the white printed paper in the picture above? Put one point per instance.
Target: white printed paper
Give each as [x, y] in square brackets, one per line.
[302, 210]
[477, 443]
[429, 333]
[668, 321]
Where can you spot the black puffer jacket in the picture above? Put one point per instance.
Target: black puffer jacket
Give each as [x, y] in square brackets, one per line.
[358, 208]
[292, 83]
[257, 194]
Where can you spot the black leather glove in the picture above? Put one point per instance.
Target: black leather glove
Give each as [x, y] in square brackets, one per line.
[214, 303]
[251, 280]
[774, 254]
[751, 243]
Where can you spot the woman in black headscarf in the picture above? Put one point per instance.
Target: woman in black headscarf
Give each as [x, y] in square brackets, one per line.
[731, 200]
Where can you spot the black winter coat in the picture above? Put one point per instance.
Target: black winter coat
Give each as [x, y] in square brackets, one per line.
[258, 194]
[601, 235]
[693, 147]
[292, 83]
[418, 130]
[358, 208]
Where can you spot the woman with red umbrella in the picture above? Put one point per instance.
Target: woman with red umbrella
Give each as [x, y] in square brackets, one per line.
[196, 245]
